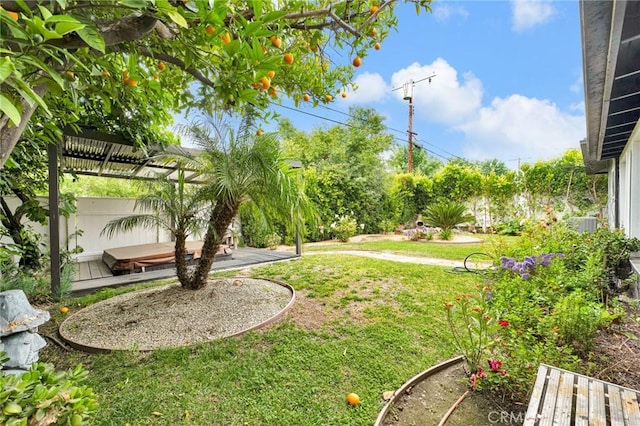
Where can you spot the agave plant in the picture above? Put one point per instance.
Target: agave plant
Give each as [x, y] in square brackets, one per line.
[446, 215]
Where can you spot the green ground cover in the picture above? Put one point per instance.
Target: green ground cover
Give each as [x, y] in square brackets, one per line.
[385, 322]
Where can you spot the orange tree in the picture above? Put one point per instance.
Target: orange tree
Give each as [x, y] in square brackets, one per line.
[139, 61]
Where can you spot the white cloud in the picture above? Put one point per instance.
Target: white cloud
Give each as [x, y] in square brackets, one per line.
[371, 87]
[445, 12]
[446, 99]
[521, 127]
[578, 85]
[578, 106]
[530, 13]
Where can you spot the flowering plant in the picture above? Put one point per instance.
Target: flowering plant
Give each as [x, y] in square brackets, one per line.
[529, 265]
[473, 328]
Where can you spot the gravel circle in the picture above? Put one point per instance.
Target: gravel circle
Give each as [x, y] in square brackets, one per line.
[170, 316]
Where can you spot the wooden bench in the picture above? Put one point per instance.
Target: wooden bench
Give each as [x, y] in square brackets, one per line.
[561, 397]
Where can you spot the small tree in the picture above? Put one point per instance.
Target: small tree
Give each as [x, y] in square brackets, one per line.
[446, 215]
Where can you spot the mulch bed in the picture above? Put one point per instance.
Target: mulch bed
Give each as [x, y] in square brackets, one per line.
[617, 351]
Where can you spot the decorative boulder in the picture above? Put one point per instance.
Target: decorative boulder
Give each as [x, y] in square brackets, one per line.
[19, 323]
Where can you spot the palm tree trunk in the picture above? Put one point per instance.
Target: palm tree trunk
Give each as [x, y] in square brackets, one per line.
[181, 262]
[219, 221]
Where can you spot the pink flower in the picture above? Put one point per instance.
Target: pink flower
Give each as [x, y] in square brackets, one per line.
[472, 381]
[503, 323]
[495, 365]
[481, 374]
[503, 373]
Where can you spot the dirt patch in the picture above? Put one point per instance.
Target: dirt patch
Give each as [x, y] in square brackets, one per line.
[428, 401]
[617, 351]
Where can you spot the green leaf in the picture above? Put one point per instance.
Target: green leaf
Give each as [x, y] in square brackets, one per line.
[28, 93]
[65, 23]
[67, 27]
[46, 13]
[178, 19]
[55, 76]
[257, 8]
[9, 109]
[6, 68]
[136, 4]
[92, 37]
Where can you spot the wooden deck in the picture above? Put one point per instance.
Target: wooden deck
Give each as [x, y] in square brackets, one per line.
[95, 274]
[561, 397]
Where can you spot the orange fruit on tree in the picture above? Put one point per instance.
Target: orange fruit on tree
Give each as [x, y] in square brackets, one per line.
[276, 41]
[343, 94]
[162, 66]
[265, 83]
[130, 82]
[209, 29]
[259, 132]
[64, 309]
[357, 61]
[273, 92]
[226, 38]
[373, 9]
[353, 399]
[70, 74]
[306, 97]
[376, 46]
[271, 74]
[288, 58]
[328, 98]
[13, 15]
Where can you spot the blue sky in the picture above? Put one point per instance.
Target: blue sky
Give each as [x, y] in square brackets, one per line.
[508, 81]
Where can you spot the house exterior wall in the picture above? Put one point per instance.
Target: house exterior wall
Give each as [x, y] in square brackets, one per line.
[629, 186]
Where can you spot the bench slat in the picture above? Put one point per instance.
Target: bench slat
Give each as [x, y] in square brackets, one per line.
[582, 402]
[630, 408]
[536, 396]
[597, 413]
[550, 397]
[562, 416]
[615, 406]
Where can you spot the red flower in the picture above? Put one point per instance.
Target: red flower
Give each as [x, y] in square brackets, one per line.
[449, 305]
[494, 364]
[503, 323]
[472, 381]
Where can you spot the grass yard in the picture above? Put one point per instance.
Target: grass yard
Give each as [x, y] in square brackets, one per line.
[359, 325]
[442, 250]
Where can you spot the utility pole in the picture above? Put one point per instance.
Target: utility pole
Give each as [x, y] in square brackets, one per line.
[408, 96]
[407, 89]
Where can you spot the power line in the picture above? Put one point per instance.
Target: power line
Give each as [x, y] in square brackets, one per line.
[395, 138]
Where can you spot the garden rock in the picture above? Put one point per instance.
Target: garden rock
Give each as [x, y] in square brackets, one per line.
[19, 323]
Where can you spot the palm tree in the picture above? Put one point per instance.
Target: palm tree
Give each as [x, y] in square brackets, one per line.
[240, 168]
[173, 206]
[236, 168]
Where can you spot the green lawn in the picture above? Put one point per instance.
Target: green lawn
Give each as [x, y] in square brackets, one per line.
[386, 324]
[442, 250]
